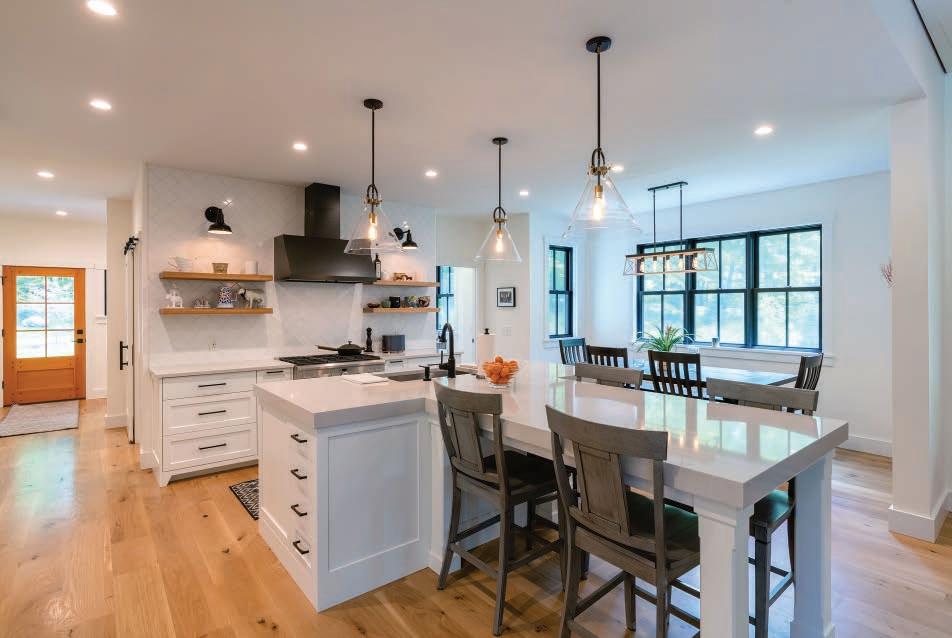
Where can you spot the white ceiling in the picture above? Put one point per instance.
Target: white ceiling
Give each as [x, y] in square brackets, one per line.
[225, 86]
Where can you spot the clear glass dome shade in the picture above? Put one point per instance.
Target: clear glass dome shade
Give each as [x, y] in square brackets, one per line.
[498, 245]
[601, 207]
[372, 234]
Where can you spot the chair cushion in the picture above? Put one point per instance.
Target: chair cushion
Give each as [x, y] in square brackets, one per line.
[680, 526]
[771, 509]
[525, 470]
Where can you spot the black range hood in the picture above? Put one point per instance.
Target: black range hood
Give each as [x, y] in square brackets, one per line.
[318, 255]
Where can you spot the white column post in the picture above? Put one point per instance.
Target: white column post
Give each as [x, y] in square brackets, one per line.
[724, 579]
[812, 615]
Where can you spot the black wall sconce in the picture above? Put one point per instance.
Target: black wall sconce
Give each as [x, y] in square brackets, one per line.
[217, 218]
[408, 243]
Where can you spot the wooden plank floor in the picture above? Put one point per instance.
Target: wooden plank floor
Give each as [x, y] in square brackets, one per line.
[90, 546]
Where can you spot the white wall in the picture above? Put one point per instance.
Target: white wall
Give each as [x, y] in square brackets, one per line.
[854, 213]
[118, 230]
[31, 240]
[512, 326]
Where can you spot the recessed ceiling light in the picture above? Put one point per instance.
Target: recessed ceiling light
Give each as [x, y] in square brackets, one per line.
[524, 192]
[299, 146]
[617, 168]
[100, 104]
[430, 173]
[45, 174]
[102, 7]
[763, 130]
[62, 213]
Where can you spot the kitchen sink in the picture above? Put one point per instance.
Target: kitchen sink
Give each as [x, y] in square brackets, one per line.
[417, 375]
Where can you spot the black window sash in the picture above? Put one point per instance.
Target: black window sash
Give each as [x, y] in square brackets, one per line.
[560, 292]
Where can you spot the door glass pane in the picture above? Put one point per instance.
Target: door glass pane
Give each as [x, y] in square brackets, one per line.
[651, 319]
[705, 316]
[771, 319]
[674, 311]
[59, 343]
[31, 288]
[773, 261]
[59, 315]
[708, 280]
[805, 259]
[31, 345]
[733, 263]
[31, 316]
[804, 319]
[732, 318]
[563, 323]
[59, 289]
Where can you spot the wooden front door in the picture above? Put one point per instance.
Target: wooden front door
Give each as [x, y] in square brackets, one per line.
[44, 334]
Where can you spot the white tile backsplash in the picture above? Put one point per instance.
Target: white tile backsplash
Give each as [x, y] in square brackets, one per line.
[304, 313]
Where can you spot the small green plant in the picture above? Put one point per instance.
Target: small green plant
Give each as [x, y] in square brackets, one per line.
[664, 340]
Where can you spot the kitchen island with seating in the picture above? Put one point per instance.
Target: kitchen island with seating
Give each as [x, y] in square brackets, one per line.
[355, 482]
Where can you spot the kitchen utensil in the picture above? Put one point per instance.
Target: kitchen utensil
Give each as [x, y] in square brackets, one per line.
[348, 349]
[393, 343]
[370, 343]
[220, 267]
[181, 264]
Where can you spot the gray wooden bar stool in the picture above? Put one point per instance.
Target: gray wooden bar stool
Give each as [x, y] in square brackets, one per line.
[572, 351]
[608, 375]
[607, 356]
[502, 477]
[777, 507]
[641, 535]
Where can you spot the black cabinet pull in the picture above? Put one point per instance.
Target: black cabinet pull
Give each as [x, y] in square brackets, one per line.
[298, 475]
[294, 508]
[211, 447]
[298, 438]
[212, 412]
[275, 372]
[211, 385]
[300, 551]
[122, 361]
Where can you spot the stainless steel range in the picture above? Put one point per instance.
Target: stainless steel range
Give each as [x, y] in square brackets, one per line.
[332, 365]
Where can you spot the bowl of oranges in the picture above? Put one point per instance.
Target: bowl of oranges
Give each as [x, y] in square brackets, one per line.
[500, 372]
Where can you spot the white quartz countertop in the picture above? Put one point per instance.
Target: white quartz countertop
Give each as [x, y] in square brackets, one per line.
[161, 371]
[730, 453]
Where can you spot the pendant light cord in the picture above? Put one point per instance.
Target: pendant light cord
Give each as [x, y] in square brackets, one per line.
[499, 179]
[681, 212]
[654, 217]
[373, 147]
[598, 100]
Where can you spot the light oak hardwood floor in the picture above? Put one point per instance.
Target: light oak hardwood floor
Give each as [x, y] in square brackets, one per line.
[90, 546]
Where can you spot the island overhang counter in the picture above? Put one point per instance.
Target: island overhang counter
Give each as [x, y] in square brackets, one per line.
[355, 484]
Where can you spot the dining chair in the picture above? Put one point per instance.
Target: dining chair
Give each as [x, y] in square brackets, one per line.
[809, 373]
[778, 506]
[638, 534]
[608, 375]
[606, 356]
[676, 373]
[503, 478]
[572, 350]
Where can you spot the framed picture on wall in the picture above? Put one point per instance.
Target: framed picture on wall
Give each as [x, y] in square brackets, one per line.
[506, 297]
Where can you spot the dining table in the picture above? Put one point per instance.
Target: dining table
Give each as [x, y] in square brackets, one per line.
[760, 377]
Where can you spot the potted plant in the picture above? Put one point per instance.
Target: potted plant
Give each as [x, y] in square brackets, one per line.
[664, 340]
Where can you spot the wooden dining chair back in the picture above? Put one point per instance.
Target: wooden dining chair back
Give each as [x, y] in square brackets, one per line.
[676, 373]
[607, 356]
[808, 376]
[608, 375]
[608, 519]
[503, 478]
[768, 397]
[572, 350]
[779, 506]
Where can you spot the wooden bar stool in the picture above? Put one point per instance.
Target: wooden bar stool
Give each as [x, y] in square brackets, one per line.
[572, 351]
[502, 477]
[605, 356]
[777, 507]
[808, 376]
[676, 373]
[641, 535]
[607, 375]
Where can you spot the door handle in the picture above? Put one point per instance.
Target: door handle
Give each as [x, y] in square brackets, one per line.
[123, 364]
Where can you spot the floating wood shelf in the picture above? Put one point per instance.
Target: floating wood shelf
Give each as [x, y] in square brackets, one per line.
[375, 311]
[216, 311]
[212, 276]
[408, 284]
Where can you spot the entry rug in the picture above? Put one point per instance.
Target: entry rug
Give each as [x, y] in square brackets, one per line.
[247, 494]
[40, 417]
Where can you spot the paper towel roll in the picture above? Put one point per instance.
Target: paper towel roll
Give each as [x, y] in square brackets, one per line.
[485, 349]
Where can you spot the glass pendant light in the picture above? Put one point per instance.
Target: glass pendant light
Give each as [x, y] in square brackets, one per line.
[498, 245]
[601, 206]
[670, 262]
[371, 233]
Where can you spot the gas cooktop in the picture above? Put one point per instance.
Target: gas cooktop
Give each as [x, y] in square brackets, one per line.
[323, 359]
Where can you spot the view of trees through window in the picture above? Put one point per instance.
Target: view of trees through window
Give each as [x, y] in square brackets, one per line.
[559, 301]
[765, 293]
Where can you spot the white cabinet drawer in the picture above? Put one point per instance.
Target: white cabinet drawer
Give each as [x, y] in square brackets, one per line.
[206, 384]
[283, 374]
[202, 448]
[302, 516]
[302, 548]
[192, 414]
[300, 444]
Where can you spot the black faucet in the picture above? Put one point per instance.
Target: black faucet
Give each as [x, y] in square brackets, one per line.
[450, 365]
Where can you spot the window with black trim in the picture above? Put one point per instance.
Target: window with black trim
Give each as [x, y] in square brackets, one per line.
[560, 302]
[445, 296]
[767, 291]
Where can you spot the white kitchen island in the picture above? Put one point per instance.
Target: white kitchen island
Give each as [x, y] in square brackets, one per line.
[355, 485]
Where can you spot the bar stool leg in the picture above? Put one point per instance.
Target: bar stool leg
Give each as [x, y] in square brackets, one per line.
[761, 584]
[450, 538]
[530, 516]
[630, 616]
[505, 540]
[571, 590]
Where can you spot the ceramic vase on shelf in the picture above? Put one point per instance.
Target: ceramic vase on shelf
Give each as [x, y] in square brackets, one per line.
[226, 297]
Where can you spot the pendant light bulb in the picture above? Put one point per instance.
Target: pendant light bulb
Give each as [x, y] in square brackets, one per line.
[598, 206]
[499, 245]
